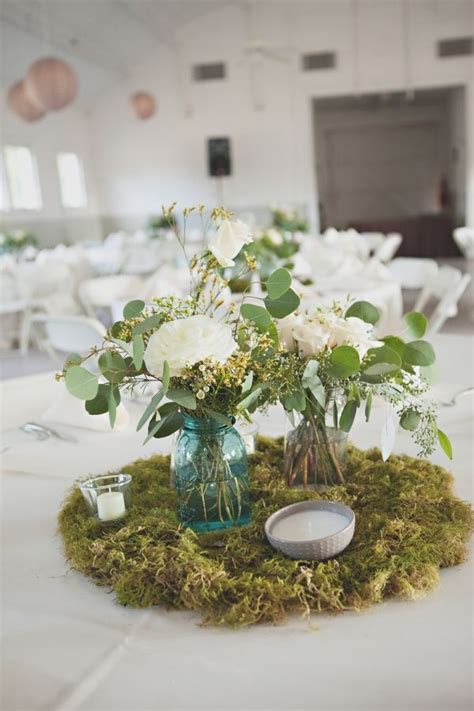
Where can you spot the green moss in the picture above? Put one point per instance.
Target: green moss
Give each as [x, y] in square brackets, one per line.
[408, 526]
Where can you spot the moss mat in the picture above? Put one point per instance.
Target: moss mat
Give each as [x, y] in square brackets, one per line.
[408, 526]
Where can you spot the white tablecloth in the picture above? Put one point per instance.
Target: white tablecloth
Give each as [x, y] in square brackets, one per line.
[68, 645]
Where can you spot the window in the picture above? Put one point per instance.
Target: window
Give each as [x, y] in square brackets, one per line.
[22, 179]
[71, 180]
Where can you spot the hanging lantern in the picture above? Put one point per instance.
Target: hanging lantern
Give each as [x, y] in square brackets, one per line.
[51, 84]
[143, 104]
[21, 105]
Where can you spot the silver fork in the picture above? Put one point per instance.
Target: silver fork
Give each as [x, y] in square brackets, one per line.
[453, 401]
[42, 433]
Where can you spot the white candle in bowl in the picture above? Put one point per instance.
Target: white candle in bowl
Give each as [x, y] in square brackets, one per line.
[309, 525]
[110, 505]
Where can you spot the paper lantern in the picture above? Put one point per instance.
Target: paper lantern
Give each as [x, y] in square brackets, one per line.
[143, 104]
[51, 84]
[21, 105]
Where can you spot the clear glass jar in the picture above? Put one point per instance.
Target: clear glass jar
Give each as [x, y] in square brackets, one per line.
[211, 473]
[315, 451]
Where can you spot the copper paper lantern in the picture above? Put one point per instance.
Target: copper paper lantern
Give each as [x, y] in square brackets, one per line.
[143, 104]
[21, 105]
[51, 84]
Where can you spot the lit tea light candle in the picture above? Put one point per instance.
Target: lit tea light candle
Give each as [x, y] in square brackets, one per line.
[110, 506]
[309, 525]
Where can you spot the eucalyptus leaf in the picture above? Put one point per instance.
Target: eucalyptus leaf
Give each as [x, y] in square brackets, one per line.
[344, 361]
[247, 384]
[185, 398]
[368, 406]
[278, 283]
[445, 443]
[348, 415]
[380, 362]
[419, 353]
[363, 310]
[251, 398]
[312, 382]
[165, 376]
[112, 366]
[257, 315]
[218, 417]
[73, 359]
[284, 305]
[148, 324]
[169, 424]
[112, 407]
[100, 403]
[116, 329]
[138, 351]
[133, 308]
[395, 344]
[416, 324]
[410, 420]
[389, 432]
[81, 383]
[295, 400]
[151, 408]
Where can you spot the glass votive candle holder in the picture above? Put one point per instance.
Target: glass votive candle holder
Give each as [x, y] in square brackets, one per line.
[108, 496]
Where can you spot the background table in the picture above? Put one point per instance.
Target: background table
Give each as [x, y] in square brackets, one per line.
[68, 645]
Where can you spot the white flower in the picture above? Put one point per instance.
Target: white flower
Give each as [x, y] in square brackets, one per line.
[229, 240]
[312, 336]
[286, 327]
[274, 236]
[186, 342]
[355, 332]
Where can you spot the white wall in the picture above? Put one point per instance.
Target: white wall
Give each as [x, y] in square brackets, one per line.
[66, 130]
[141, 164]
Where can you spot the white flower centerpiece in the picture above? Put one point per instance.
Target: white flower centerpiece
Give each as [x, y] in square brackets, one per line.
[328, 365]
[199, 353]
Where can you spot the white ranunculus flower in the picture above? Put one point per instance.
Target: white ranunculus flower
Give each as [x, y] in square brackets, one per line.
[186, 342]
[312, 336]
[285, 327]
[355, 332]
[229, 240]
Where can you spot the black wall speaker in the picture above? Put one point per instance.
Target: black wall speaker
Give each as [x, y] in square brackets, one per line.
[219, 161]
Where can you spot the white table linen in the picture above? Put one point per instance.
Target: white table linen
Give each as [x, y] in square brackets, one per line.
[68, 645]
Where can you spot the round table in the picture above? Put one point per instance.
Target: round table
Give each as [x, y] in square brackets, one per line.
[68, 645]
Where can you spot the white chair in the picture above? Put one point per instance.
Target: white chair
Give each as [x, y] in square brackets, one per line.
[464, 238]
[67, 334]
[102, 292]
[413, 272]
[387, 250]
[373, 240]
[448, 304]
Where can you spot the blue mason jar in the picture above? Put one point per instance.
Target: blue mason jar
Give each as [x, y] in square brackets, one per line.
[212, 482]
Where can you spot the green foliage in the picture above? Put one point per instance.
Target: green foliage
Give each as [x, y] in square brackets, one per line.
[312, 382]
[81, 383]
[348, 414]
[185, 398]
[381, 362]
[344, 361]
[283, 305]
[151, 408]
[419, 353]
[257, 315]
[278, 283]
[363, 310]
[416, 324]
[410, 420]
[133, 308]
[138, 351]
[409, 524]
[100, 403]
[445, 443]
[112, 366]
[148, 324]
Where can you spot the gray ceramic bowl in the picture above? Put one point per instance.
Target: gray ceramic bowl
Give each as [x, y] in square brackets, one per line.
[318, 548]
